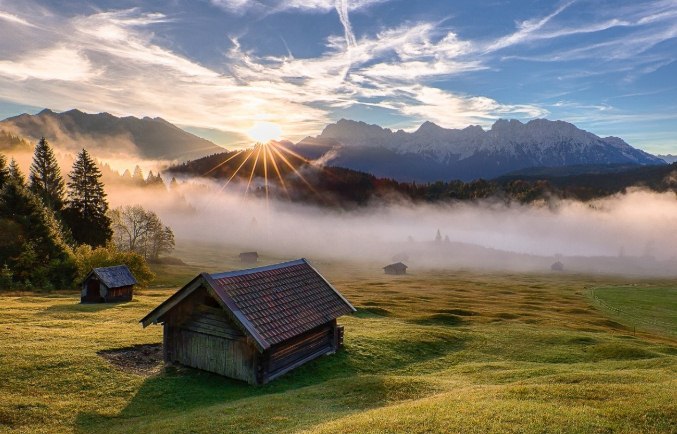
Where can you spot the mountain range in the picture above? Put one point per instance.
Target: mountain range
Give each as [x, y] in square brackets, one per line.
[434, 153]
[430, 153]
[108, 136]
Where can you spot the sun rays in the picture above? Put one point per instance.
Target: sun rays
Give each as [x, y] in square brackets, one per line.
[272, 163]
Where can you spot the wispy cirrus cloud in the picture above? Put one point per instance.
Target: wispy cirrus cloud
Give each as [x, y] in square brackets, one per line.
[113, 60]
[342, 8]
[55, 63]
[526, 30]
[109, 61]
[13, 19]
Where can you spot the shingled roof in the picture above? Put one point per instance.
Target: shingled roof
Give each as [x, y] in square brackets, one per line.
[114, 277]
[271, 304]
[396, 266]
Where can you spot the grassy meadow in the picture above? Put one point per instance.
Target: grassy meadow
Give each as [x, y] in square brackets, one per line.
[432, 351]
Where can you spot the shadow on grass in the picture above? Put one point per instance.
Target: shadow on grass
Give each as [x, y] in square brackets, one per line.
[348, 381]
[440, 319]
[179, 389]
[371, 312]
[77, 307]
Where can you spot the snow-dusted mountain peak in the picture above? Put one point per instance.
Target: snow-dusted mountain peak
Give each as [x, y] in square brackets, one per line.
[473, 152]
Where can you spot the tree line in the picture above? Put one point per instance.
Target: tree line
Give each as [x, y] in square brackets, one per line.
[53, 231]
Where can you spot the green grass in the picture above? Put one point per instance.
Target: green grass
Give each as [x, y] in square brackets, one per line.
[646, 307]
[434, 351]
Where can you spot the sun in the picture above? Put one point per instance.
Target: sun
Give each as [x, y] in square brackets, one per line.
[265, 131]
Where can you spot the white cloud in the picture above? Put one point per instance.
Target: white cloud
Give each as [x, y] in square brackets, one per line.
[112, 61]
[458, 111]
[268, 6]
[6, 16]
[526, 30]
[342, 10]
[54, 63]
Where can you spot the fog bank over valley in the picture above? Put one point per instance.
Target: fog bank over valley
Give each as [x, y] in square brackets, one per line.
[626, 234]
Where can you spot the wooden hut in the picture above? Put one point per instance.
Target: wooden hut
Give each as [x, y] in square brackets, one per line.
[253, 325]
[557, 266]
[249, 257]
[108, 284]
[396, 268]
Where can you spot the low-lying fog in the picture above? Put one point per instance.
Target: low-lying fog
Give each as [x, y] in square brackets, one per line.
[628, 234]
[631, 233]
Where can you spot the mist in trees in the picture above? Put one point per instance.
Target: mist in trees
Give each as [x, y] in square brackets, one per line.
[4, 171]
[45, 177]
[15, 173]
[138, 230]
[50, 230]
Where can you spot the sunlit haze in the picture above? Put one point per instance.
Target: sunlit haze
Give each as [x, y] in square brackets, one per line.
[264, 132]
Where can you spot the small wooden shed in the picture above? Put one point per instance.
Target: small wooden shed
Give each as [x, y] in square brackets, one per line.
[108, 284]
[396, 268]
[249, 257]
[253, 325]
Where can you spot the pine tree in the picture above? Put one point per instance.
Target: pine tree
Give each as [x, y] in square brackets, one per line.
[137, 176]
[15, 173]
[45, 177]
[35, 249]
[86, 207]
[4, 171]
[154, 180]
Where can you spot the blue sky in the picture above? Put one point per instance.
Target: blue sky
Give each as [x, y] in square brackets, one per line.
[219, 67]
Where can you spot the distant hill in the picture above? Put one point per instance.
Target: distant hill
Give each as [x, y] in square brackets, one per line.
[568, 171]
[434, 153]
[668, 158]
[591, 185]
[106, 135]
[13, 142]
[340, 187]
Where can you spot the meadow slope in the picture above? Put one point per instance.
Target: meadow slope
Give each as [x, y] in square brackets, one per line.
[434, 351]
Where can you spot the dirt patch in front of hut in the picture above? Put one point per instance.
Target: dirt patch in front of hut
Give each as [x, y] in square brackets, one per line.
[143, 359]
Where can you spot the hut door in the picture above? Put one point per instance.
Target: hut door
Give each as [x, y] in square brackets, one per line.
[93, 288]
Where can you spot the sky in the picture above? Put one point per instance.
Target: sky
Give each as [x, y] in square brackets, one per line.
[237, 70]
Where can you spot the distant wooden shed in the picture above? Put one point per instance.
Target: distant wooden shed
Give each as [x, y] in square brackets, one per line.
[249, 257]
[253, 325]
[108, 284]
[396, 268]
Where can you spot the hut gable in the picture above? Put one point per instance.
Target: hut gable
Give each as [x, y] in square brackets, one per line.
[287, 311]
[108, 284]
[396, 268]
